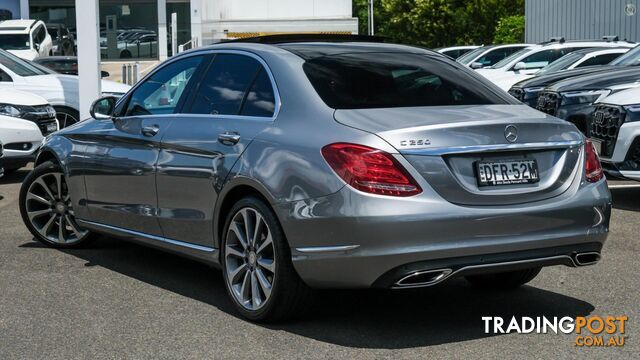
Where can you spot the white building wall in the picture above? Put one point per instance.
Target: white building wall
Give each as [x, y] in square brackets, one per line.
[221, 19]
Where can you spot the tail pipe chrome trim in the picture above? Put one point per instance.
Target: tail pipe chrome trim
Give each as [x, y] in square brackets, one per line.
[586, 258]
[423, 278]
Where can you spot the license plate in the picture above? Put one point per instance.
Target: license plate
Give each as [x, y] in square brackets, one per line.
[507, 172]
[52, 128]
[597, 144]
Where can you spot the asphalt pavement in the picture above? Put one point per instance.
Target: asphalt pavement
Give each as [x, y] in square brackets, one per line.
[121, 300]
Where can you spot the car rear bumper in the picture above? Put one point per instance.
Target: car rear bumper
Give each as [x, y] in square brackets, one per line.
[354, 240]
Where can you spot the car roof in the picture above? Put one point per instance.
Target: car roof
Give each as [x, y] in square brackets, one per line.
[313, 50]
[16, 26]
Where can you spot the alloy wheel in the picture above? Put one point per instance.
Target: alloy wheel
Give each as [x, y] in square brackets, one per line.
[49, 210]
[65, 120]
[250, 259]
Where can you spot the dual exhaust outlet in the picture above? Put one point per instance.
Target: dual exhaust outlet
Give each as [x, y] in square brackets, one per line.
[425, 278]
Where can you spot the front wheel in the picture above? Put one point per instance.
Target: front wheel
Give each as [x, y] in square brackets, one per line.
[504, 280]
[46, 208]
[67, 117]
[256, 265]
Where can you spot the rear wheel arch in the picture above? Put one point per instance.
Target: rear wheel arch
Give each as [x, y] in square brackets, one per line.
[232, 193]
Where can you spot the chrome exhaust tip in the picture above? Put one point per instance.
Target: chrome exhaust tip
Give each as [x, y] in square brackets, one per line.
[423, 278]
[587, 258]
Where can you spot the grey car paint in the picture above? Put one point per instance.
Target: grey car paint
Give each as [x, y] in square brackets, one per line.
[340, 237]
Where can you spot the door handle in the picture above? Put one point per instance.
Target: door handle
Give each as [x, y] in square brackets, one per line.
[229, 138]
[150, 130]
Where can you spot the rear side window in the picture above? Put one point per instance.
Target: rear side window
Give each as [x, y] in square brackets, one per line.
[260, 100]
[224, 88]
[600, 60]
[383, 80]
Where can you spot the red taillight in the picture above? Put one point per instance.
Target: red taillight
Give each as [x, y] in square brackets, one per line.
[370, 170]
[593, 168]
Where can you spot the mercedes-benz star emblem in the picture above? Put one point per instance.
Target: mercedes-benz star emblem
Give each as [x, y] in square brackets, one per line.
[511, 133]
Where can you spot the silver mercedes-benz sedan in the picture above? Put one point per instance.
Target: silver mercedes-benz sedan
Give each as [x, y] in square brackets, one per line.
[296, 165]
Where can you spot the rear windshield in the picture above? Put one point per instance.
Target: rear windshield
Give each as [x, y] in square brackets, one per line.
[383, 80]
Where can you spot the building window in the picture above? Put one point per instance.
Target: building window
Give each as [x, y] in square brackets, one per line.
[128, 29]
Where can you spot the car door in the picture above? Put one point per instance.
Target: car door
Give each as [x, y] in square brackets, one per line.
[122, 153]
[234, 101]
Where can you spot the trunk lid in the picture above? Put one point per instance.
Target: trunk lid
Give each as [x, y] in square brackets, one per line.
[444, 143]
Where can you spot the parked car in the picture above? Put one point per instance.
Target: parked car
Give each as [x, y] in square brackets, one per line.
[614, 129]
[25, 119]
[573, 99]
[141, 45]
[455, 52]
[63, 40]
[583, 58]
[63, 65]
[526, 62]
[61, 91]
[489, 55]
[27, 39]
[527, 91]
[324, 164]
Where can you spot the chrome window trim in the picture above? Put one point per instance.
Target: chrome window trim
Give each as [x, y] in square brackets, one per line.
[274, 86]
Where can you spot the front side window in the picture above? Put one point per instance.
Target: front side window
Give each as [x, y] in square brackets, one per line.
[545, 57]
[563, 63]
[384, 80]
[161, 93]
[492, 57]
[223, 89]
[39, 35]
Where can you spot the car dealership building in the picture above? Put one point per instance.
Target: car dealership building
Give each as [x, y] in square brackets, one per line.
[200, 21]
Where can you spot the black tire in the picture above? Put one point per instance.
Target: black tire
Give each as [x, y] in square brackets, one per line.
[44, 169]
[504, 280]
[66, 116]
[290, 296]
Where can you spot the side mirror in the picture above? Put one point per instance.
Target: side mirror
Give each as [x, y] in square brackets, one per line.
[103, 108]
[476, 65]
[104, 74]
[520, 66]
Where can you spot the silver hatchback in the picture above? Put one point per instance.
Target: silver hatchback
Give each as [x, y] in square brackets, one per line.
[301, 165]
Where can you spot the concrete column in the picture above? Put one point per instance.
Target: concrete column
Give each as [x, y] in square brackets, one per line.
[196, 20]
[88, 53]
[24, 9]
[162, 30]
